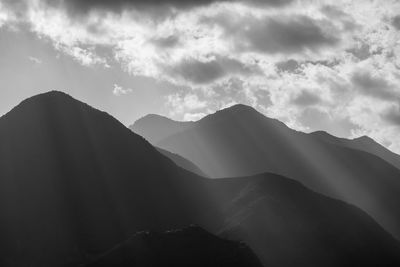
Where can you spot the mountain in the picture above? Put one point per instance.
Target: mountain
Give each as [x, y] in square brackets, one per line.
[363, 143]
[155, 127]
[287, 224]
[181, 162]
[190, 246]
[74, 183]
[239, 141]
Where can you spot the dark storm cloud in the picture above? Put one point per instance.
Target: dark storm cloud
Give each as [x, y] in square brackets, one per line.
[374, 86]
[200, 72]
[306, 98]
[396, 22]
[287, 35]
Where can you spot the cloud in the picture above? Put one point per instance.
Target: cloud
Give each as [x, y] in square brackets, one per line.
[376, 87]
[79, 6]
[35, 60]
[203, 72]
[392, 116]
[166, 42]
[288, 35]
[181, 104]
[193, 116]
[333, 11]
[274, 55]
[290, 65]
[306, 98]
[396, 22]
[119, 90]
[316, 119]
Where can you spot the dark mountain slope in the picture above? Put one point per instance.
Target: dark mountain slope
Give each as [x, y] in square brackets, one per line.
[289, 225]
[74, 179]
[74, 182]
[240, 141]
[191, 247]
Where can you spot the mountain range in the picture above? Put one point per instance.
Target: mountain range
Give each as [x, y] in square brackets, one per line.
[240, 141]
[190, 246]
[76, 185]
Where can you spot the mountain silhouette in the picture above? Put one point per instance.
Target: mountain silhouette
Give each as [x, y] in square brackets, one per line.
[75, 182]
[239, 141]
[191, 246]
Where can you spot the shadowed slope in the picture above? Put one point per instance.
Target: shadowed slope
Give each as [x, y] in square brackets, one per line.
[286, 224]
[74, 182]
[191, 247]
[240, 141]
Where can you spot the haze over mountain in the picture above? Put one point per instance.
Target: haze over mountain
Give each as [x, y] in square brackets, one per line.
[74, 182]
[240, 141]
[181, 162]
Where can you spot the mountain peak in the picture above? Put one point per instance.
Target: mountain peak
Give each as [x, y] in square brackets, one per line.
[51, 94]
[240, 108]
[55, 97]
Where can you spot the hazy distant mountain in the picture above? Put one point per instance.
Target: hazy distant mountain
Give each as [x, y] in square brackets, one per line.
[182, 162]
[240, 141]
[363, 143]
[191, 246]
[74, 182]
[155, 127]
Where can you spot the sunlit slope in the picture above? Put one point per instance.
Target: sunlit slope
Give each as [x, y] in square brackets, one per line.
[240, 141]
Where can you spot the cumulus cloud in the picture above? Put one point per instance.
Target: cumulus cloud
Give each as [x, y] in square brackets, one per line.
[290, 65]
[311, 64]
[79, 6]
[374, 86]
[193, 116]
[306, 98]
[119, 90]
[35, 60]
[396, 22]
[288, 35]
[316, 119]
[203, 72]
[392, 116]
[166, 42]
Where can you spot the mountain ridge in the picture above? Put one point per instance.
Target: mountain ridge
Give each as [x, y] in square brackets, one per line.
[75, 182]
[238, 143]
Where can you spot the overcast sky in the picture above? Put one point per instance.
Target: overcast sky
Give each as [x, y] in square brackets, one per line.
[315, 65]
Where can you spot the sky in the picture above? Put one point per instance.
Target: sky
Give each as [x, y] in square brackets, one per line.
[315, 65]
